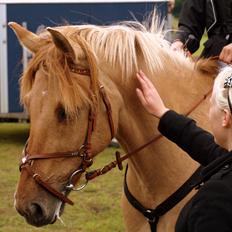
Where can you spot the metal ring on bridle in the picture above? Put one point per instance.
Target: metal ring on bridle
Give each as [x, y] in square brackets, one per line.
[70, 185]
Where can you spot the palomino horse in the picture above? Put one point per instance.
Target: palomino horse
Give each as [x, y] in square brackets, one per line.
[62, 91]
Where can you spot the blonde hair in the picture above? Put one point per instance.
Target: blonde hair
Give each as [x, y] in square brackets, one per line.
[221, 93]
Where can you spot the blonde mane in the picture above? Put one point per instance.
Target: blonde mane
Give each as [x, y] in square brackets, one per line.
[120, 46]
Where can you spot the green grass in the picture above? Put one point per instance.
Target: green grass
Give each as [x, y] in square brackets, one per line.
[198, 52]
[96, 209]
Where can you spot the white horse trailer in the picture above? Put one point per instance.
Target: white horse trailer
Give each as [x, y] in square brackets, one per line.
[36, 15]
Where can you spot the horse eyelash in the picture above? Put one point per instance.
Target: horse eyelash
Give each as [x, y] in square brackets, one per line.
[64, 116]
[61, 114]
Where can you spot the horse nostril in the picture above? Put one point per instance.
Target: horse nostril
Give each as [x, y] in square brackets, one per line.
[37, 214]
[36, 211]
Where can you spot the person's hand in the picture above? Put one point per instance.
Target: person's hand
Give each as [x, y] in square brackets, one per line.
[177, 45]
[226, 54]
[149, 96]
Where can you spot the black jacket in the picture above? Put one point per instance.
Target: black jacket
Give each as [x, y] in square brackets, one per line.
[214, 16]
[211, 207]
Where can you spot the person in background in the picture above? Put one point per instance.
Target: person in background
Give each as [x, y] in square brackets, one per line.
[212, 16]
[171, 5]
[169, 21]
[210, 209]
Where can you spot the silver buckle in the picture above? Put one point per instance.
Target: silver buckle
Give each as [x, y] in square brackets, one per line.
[70, 186]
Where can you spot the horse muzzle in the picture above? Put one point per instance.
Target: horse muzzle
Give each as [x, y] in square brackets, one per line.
[37, 212]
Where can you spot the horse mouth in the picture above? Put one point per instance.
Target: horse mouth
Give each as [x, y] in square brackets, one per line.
[38, 223]
[39, 213]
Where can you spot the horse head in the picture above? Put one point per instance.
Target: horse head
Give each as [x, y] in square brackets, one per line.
[70, 117]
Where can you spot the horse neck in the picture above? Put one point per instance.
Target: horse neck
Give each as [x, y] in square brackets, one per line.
[152, 166]
[160, 167]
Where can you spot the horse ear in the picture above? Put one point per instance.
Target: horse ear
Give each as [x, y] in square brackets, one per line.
[62, 43]
[27, 38]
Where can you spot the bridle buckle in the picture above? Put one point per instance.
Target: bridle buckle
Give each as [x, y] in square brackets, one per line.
[70, 186]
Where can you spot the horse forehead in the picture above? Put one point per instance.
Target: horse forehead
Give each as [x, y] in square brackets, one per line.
[40, 86]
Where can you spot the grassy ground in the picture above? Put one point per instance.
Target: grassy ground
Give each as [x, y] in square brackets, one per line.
[96, 209]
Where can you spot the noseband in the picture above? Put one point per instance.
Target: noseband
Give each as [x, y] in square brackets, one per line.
[84, 152]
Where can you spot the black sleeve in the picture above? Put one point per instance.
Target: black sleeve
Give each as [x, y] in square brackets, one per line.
[211, 209]
[192, 22]
[183, 131]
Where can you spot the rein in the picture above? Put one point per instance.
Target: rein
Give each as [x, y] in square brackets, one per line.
[119, 159]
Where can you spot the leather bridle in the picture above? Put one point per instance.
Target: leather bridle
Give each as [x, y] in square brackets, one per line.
[84, 152]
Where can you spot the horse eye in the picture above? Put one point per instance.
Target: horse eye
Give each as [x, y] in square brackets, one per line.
[61, 114]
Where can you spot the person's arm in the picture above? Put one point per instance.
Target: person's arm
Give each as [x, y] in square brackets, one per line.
[183, 131]
[191, 24]
[211, 208]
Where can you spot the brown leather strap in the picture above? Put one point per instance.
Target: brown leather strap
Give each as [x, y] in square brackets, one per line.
[28, 157]
[90, 129]
[109, 110]
[52, 155]
[198, 103]
[46, 185]
[74, 69]
[118, 162]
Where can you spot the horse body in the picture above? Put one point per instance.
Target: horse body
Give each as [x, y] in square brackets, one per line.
[115, 56]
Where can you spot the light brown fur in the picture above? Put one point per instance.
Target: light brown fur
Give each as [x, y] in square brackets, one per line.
[119, 52]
